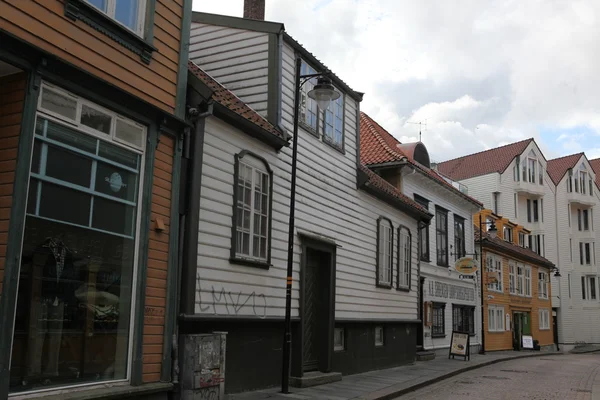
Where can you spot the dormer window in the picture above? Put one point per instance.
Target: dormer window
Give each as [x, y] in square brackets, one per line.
[583, 178]
[531, 166]
[507, 234]
[333, 123]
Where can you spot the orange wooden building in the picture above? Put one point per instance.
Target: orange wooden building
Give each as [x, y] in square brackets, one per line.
[92, 108]
[516, 293]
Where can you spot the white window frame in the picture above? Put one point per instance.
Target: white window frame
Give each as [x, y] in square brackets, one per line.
[494, 264]
[79, 103]
[306, 103]
[379, 339]
[531, 169]
[495, 318]
[248, 161]
[110, 13]
[61, 119]
[542, 285]
[404, 257]
[512, 277]
[385, 252]
[527, 281]
[334, 107]
[520, 279]
[587, 288]
[339, 333]
[507, 231]
[544, 319]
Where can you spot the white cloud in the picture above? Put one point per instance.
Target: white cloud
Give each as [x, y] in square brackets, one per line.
[484, 73]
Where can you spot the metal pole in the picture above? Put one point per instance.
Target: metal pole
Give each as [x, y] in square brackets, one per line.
[482, 350]
[287, 338]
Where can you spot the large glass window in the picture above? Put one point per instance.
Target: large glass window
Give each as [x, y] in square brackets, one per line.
[334, 123]
[459, 236]
[404, 257]
[463, 318]
[423, 231]
[78, 255]
[438, 328]
[129, 13]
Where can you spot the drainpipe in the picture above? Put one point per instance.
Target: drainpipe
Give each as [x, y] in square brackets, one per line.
[560, 305]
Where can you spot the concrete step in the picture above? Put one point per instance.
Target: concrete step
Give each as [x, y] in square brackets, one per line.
[425, 355]
[315, 378]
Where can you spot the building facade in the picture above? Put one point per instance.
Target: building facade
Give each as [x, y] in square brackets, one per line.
[355, 266]
[454, 302]
[91, 115]
[517, 288]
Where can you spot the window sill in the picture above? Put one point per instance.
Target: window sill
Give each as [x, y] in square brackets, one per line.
[438, 336]
[308, 129]
[250, 262]
[383, 285]
[80, 10]
[115, 392]
[334, 146]
[403, 289]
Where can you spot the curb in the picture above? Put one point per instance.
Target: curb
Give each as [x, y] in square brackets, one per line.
[403, 391]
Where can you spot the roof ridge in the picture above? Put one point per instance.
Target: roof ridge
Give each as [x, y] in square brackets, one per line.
[485, 151]
[581, 153]
[370, 121]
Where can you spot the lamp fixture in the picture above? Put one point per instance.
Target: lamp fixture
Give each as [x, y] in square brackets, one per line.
[323, 92]
[492, 230]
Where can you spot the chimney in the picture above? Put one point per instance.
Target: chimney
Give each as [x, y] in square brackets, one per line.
[254, 9]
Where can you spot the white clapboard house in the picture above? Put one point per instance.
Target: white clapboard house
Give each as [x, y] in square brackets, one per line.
[449, 302]
[355, 270]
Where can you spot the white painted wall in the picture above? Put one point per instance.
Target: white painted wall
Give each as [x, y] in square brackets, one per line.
[237, 58]
[482, 187]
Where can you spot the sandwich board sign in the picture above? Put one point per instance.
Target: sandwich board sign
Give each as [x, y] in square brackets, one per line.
[459, 345]
[527, 342]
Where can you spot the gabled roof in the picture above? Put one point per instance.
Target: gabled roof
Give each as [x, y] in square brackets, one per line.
[378, 186]
[484, 162]
[274, 27]
[595, 163]
[231, 104]
[502, 246]
[558, 167]
[378, 146]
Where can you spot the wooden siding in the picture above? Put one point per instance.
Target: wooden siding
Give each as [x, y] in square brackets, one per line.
[327, 204]
[512, 302]
[237, 58]
[12, 96]
[43, 24]
[158, 256]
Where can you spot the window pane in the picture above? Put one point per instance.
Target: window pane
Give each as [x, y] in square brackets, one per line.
[64, 204]
[119, 155]
[126, 12]
[113, 217]
[68, 167]
[101, 4]
[59, 103]
[116, 182]
[66, 135]
[95, 119]
[130, 133]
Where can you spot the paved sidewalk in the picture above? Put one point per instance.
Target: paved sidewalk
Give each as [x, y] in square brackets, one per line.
[389, 383]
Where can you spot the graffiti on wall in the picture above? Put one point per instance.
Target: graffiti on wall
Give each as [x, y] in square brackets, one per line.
[218, 300]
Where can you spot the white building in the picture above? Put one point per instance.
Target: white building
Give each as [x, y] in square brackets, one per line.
[455, 303]
[517, 182]
[355, 269]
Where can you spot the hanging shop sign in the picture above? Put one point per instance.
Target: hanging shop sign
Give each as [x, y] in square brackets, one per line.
[466, 265]
[459, 345]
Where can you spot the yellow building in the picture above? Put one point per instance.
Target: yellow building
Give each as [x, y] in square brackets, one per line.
[516, 293]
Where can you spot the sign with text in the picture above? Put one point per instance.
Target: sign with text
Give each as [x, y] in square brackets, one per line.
[466, 265]
[459, 345]
[527, 342]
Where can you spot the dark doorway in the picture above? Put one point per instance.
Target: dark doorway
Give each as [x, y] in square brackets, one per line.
[421, 316]
[517, 330]
[555, 327]
[317, 309]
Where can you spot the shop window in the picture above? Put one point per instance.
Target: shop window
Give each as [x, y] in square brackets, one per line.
[463, 318]
[379, 339]
[438, 329]
[76, 279]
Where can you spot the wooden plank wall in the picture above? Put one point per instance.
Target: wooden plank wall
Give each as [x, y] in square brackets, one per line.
[12, 96]
[43, 24]
[158, 256]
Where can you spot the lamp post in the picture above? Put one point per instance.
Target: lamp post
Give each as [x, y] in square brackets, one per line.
[323, 92]
[492, 231]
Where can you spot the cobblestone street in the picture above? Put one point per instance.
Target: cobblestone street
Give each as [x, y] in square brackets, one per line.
[543, 378]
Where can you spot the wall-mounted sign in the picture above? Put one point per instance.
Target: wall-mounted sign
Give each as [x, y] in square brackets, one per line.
[466, 265]
[527, 342]
[507, 322]
[492, 277]
[459, 345]
[449, 291]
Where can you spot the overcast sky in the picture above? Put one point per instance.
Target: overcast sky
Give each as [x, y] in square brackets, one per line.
[479, 73]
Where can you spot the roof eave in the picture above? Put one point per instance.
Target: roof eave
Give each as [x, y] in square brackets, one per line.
[237, 22]
[490, 244]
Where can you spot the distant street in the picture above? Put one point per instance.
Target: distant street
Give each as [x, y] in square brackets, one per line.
[560, 377]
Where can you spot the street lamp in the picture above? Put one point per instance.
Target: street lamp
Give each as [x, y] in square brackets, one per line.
[323, 92]
[492, 231]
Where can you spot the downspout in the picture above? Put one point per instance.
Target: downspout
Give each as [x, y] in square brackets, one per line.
[560, 305]
[190, 191]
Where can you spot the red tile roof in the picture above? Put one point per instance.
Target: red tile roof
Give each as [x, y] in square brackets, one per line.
[383, 185]
[378, 146]
[484, 162]
[558, 167]
[595, 163]
[229, 100]
[511, 248]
